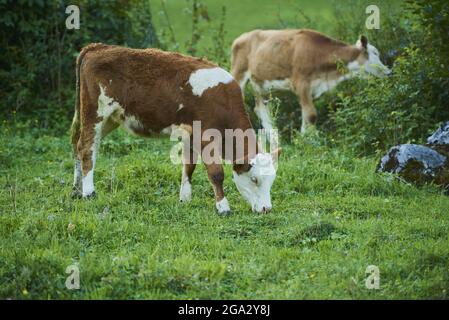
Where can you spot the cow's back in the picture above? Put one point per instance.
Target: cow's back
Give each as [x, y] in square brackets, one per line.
[153, 85]
[278, 54]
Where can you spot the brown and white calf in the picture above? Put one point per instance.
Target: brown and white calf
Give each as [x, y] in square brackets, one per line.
[303, 61]
[147, 90]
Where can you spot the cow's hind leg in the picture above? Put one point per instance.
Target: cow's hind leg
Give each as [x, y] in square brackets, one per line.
[88, 146]
[189, 164]
[77, 174]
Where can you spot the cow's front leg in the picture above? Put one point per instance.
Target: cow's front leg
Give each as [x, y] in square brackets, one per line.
[216, 177]
[77, 190]
[185, 193]
[263, 113]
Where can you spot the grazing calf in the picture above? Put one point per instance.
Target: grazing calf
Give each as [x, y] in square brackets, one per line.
[303, 61]
[147, 91]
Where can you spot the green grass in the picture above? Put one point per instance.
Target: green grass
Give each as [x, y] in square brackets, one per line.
[332, 217]
[241, 15]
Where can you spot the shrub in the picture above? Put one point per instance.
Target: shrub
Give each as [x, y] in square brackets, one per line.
[405, 107]
[38, 52]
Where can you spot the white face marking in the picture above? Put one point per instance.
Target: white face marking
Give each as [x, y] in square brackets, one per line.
[180, 107]
[255, 185]
[373, 65]
[203, 79]
[223, 206]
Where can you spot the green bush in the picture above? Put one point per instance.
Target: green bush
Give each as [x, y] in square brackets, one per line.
[376, 114]
[391, 40]
[37, 52]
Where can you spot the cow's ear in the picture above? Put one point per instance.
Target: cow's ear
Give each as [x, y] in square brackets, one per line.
[241, 165]
[362, 42]
[241, 168]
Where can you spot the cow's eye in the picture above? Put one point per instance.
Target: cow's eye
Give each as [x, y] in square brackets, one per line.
[254, 180]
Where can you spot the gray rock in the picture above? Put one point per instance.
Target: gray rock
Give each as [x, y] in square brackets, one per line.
[439, 140]
[416, 164]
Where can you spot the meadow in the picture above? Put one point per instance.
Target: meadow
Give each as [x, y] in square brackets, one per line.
[333, 216]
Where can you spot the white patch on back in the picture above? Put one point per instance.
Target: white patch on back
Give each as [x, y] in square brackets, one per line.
[223, 206]
[374, 65]
[203, 79]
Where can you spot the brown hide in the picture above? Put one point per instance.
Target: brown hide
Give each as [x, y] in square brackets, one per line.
[151, 84]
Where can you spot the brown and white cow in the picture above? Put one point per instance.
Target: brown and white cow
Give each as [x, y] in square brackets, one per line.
[147, 90]
[300, 60]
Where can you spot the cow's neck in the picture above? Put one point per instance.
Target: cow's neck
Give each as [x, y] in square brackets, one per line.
[240, 120]
[346, 56]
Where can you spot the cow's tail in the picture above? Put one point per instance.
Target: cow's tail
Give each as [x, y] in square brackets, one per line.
[76, 125]
[76, 122]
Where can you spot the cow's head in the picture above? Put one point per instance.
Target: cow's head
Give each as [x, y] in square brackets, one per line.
[254, 179]
[369, 59]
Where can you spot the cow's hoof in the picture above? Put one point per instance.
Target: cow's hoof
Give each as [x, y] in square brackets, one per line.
[225, 213]
[223, 207]
[185, 199]
[76, 194]
[93, 195]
